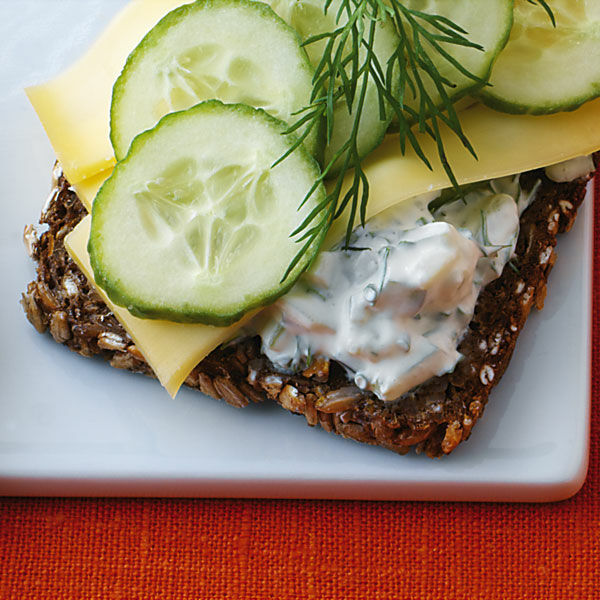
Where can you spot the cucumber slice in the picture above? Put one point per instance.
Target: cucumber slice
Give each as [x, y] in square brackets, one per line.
[487, 23]
[194, 225]
[545, 69]
[308, 18]
[231, 50]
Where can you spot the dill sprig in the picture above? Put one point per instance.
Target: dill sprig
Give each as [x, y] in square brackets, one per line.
[548, 10]
[348, 66]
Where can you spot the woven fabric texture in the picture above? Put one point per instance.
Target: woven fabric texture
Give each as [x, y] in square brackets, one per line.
[259, 549]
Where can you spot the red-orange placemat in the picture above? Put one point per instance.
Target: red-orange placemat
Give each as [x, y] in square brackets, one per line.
[255, 549]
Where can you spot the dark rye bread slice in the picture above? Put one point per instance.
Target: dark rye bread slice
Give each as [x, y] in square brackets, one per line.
[434, 417]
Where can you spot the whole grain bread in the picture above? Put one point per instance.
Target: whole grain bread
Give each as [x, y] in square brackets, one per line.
[433, 417]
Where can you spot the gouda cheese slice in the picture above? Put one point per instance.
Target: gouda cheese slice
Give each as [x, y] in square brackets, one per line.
[505, 145]
[75, 106]
[88, 188]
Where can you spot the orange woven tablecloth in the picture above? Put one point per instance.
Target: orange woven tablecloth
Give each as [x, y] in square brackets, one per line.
[255, 549]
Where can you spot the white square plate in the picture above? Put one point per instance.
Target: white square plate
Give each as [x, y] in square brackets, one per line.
[74, 426]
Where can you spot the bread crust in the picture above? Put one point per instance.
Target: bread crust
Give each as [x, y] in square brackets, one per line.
[433, 417]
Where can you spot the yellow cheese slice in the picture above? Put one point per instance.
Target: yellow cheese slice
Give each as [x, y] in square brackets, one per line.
[75, 106]
[505, 145]
[171, 349]
[88, 188]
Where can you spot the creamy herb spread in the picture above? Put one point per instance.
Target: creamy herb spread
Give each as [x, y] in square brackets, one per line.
[393, 306]
[570, 169]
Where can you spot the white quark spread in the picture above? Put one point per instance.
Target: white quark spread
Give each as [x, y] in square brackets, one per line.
[570, 169]
[393, 307]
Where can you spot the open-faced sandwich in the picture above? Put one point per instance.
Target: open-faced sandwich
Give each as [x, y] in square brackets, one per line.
[347, 207]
